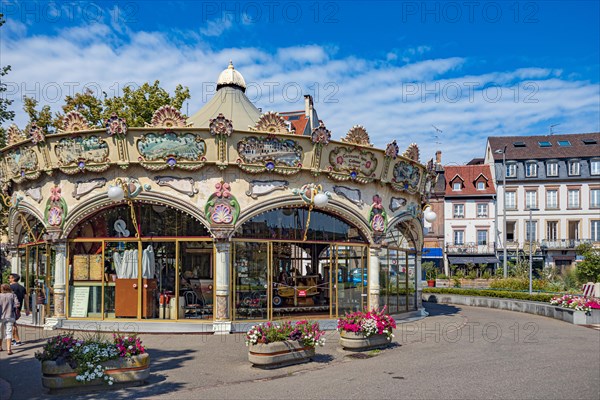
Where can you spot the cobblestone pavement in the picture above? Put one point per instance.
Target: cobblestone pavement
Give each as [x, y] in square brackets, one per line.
[458, 352]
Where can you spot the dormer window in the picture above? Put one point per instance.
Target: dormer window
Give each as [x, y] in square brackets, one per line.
[456, 186]
[511, 170]
[531, 169]
[480, 185]
[573, 167]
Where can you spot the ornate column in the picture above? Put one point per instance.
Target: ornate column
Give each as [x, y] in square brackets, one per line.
[419, 288]
[15, 262]
[222, 323]
[60, 281]
[374, 277]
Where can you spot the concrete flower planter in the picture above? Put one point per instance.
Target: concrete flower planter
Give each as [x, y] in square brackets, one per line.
[279, 354]
[132, 370]
[355, 341]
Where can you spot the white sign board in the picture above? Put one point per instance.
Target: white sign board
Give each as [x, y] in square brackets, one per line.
[80, 299]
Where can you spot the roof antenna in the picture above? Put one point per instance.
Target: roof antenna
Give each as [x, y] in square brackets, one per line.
[437, 135]
[550, 128]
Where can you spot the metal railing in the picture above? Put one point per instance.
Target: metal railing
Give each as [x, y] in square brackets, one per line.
[564, 243]
[470, 248]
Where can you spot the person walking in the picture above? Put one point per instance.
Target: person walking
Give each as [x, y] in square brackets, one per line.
[19, 291]
[9, 303]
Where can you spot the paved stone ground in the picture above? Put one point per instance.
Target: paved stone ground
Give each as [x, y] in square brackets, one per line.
[456, 353]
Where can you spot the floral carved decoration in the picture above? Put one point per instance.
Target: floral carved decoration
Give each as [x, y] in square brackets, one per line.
[392, 150]
[358, 135]
[222, 208]
[377, 216]
[56, 208]
[321, 135]
[14, 135]
[116, 126]
[412, 152]
[73, 121]
[271, 122]
[220, 126]
[169, 117]
[36, 134]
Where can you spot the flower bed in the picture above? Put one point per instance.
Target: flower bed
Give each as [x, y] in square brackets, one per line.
[273, 345]
[364, 330]
[70, 362]
[578, 303]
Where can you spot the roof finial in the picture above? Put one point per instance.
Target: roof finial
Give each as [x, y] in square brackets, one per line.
[230, 64]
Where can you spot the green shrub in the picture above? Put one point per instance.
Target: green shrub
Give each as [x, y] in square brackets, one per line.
[518, 284]
[459, 275]
[492, 293]
[442, 276]
[486, 275]
[456, 282]
[472, 275]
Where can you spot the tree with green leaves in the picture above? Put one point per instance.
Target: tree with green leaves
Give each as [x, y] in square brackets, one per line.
[588, 270]
[42, 118]
[138, 105]
[84, 103]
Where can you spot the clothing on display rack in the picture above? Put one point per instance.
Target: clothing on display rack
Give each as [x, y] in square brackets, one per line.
[126, 265]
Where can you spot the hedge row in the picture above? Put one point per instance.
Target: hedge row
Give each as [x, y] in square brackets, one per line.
[543, 297]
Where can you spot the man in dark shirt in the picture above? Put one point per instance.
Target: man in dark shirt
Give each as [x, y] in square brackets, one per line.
[19, 291]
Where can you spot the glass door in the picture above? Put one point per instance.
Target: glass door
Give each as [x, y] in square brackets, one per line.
[250, 280]
[352, 278]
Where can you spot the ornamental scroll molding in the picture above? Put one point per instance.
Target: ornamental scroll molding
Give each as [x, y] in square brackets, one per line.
[182, 185]
[168, 116]
[271, 122]
[260, 188]
[35, 193]
[221, 128]
[378, 217]
[350, 194]
[84, 187]
[396, 203]
[358, 135]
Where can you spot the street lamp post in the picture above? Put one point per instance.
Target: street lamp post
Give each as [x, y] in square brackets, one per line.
[504, 259]
[531, 247]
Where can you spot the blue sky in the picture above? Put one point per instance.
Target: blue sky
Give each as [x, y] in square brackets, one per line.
[471, 68]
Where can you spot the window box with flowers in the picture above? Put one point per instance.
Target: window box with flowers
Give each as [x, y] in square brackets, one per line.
[272, 344]
[68, 362]
[366, 330]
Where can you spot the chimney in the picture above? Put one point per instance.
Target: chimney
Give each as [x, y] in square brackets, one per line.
[308, 105]
[438, 157]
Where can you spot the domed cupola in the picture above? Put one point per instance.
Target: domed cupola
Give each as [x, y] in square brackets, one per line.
[232, 78]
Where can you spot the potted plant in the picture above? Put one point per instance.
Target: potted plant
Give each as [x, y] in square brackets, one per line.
[364, 330]
[272, 344]
[430, 272]
[69, 362]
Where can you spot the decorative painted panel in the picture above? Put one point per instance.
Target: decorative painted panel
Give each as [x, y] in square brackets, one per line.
[271, 154]
[89, 148]
[21, 161]
[159, 151]
[406, 177]
[352, 163]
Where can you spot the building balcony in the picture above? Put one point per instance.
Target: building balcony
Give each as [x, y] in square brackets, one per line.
[470, 248]
[564, 244]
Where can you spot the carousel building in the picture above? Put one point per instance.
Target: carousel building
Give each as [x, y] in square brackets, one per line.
[228, 216]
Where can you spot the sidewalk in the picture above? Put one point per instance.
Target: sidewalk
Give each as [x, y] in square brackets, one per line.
[181, 363]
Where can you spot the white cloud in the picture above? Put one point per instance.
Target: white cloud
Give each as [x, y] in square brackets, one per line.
[392, 102]
[216, 27]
